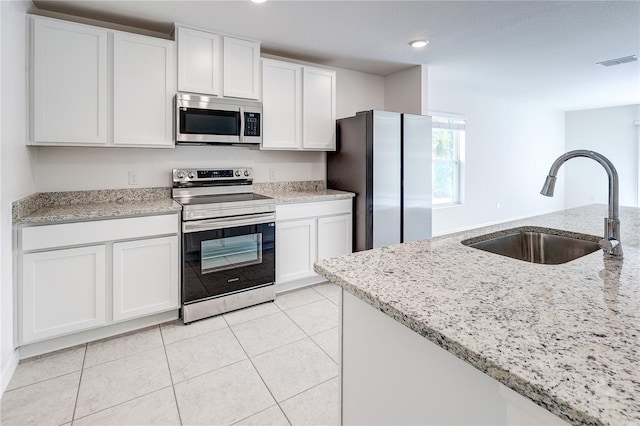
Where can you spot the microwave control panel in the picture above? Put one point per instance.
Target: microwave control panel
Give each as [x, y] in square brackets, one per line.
[251, 124]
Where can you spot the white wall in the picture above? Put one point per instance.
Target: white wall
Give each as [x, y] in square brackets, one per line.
[406, 91]
[69, 169]
[17, 161]
[510, 146]
[612, 133]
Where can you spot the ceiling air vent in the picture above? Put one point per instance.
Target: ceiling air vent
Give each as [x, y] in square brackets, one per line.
[618, 61]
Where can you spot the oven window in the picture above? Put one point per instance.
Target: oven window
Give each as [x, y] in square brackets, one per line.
[230, 252]
[209, 122]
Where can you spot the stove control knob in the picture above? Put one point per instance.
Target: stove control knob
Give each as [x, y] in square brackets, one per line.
[237, 173]
[191, 175]
[180, 175]
[247, 173]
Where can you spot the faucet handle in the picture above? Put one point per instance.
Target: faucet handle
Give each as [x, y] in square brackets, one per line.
[608, 245]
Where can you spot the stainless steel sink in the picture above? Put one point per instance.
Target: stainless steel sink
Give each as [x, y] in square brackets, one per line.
[536, 245]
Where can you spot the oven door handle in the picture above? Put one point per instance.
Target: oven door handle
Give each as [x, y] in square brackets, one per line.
[211, 224]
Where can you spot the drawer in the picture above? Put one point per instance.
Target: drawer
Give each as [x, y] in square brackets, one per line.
[313, 209]
[80, 233]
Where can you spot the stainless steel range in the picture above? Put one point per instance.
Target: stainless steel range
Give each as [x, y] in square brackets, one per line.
[228, 241]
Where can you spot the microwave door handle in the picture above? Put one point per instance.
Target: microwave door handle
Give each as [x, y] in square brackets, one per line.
[241, 124]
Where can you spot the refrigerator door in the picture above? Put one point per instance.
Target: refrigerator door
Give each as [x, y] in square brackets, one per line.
[349, 169]
[416, 177]
[387, 160]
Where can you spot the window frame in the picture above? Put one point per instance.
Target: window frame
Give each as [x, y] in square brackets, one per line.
[458, 123]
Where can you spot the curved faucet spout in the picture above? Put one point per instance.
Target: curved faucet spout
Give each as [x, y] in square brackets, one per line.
[611, 242]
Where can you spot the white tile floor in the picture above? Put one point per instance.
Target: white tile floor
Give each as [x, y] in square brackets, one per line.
[271, 364]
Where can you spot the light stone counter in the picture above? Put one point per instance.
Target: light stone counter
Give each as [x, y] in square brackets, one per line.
[565, 336]
[74, 206]
[300, 192]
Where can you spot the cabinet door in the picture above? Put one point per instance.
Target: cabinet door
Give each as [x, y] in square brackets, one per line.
[146, 277]
[69, 83]
[143, 90]
[241, 68]
[199, 62]
[334, 236]
[295, 249]
[281, 105]
[63, 291]
[319, 109]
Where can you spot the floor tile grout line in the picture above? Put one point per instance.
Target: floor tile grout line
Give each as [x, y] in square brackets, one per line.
[306, 390]
[120, 403]
[252, 319]
[120, 359]
[259, 375]
[207, 372]
[37, 357]
[278, 347]
[256, 319]
[310, 336]
[173, 389]
[75, 405]
[40, 381]
[123, 357]
[196, 336]
[321, 348]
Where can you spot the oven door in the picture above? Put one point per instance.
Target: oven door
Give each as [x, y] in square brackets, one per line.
[226, 256]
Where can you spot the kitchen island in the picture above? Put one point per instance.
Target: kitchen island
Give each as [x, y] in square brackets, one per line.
[565, 337]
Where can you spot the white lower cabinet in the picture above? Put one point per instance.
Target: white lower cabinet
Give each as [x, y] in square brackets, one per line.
[334, 236]
[144, 277]
[117, 270]
[296, 249]
[62, 291]
[307, 232]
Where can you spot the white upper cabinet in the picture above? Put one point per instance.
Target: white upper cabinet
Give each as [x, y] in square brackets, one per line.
[69, 81]
[212, 64]
[241, 74]
[319, 109]
[299, 107]
[199, 61]
[281, 105]
[143, 89]
[97, 87]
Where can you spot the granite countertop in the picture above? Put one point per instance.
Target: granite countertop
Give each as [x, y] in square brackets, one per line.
[565, 336]
[297, 192]
[74, 206]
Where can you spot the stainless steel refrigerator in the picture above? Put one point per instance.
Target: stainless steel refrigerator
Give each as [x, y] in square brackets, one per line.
[385, 159]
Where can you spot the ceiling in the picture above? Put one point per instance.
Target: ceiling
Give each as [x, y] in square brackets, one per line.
[538, 51]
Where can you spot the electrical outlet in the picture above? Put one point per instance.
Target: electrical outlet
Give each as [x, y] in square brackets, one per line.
[498, 205]
[272, 174]
[133, 178]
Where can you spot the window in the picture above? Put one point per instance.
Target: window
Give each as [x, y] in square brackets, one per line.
[448, 159]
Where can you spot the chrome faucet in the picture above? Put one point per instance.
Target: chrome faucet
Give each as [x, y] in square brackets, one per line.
[610, 244]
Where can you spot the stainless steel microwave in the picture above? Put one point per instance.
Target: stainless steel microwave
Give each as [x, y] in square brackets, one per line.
[209, 120]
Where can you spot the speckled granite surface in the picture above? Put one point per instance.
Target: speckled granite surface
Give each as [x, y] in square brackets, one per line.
[565, 336]
[54, 207]
[301, 191]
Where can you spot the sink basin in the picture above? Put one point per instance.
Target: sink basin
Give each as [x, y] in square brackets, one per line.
[536, 245]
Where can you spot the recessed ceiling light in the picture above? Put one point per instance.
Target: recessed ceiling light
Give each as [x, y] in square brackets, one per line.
[618, 61]
[419, 43]
[258, 1]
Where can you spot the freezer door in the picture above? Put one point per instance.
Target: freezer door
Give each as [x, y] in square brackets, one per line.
[416, 177]
[387, 159]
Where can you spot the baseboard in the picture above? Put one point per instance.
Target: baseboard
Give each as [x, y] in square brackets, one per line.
[63, 342]
[294, 285]
[8, 370]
